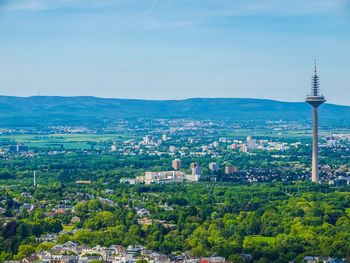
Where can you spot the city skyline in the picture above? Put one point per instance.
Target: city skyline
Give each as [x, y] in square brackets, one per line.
[174, 49]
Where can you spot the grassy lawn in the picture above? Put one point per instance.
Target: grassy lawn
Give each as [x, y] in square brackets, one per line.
[68, 228]
[274, 133]
[347, 211]
[68, 141]
[260, 239]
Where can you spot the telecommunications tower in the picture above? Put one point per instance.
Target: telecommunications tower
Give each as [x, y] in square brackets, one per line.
[315, 100]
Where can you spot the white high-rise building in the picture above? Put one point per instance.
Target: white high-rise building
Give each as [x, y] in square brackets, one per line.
[147, 139]
[251, 144]
[213, 167]
[172, 149]
[197, 170]
[113, 147]
[176, 164]
[244, 148]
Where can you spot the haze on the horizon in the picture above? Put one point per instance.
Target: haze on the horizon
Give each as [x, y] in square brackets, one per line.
[173, 49]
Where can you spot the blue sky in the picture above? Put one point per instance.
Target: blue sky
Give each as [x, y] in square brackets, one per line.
[175, 49]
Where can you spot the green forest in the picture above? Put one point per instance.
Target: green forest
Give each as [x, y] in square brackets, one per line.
[273, 222]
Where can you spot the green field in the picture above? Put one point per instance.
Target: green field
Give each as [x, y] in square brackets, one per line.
[67, 141]
[260, 239]
[269, 133]
[282, 134]
[68, 227]
[347, 211]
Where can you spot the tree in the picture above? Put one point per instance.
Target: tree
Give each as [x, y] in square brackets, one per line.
[24, 251]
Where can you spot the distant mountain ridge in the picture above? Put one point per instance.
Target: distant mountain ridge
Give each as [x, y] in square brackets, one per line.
[84, 110]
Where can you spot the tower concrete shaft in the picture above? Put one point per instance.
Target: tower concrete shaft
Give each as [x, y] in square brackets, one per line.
[315, 172]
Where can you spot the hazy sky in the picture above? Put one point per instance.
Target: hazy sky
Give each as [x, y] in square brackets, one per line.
[173, 49]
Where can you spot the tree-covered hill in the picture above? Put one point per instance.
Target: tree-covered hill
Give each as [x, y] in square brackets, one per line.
[46, 110]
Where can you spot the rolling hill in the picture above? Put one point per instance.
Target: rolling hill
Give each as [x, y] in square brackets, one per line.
[52, 110]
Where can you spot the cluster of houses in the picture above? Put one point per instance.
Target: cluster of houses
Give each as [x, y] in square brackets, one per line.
[312, 259]
[72, 252]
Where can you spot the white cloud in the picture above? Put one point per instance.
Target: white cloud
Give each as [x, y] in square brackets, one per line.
[234, 7]
[36, 5]
[41, 5]
[156, 14]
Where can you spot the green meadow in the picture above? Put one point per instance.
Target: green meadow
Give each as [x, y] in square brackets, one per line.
[67, 141]
[260, 239]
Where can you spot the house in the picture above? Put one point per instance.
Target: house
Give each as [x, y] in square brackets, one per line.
[127, 258]
[27, 207]
[146, 254]
[69, 246]
[118, 249]
[127, 181]
[145, 221]
[109, 191]
[310, 259]
[75, 219]
[56, 259]
[142, 212]
[135, 249]
[247, 257]
[162, 259]
[177, 258]
[89, 259]
[50, 214]
[103, 251]
[333, 260]
[27, 195]
[340, 181]
[107, 201]
[31, 259]
[48, 237]
[69, 259]
[212, 260]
